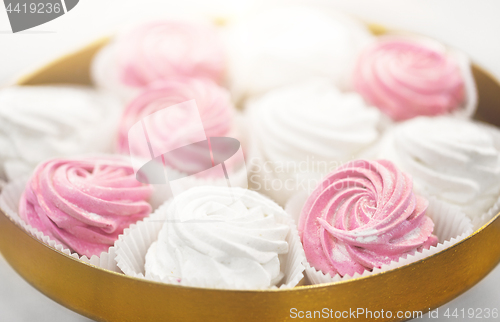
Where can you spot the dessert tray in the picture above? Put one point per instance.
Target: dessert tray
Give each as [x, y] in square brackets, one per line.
[108, 296]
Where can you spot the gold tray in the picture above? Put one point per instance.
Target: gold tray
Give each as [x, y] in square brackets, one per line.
[107, 296]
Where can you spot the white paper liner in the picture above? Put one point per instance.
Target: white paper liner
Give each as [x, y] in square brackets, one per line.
[450, 226]
[132, 246]
[258, 177]
[105, 74]
[480, 220]
[483, 219]
[9, 203]
[264, 181]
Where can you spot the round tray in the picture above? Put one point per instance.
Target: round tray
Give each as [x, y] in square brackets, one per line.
[107, 296]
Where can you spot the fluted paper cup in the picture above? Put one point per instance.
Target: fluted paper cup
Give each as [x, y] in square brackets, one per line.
[132, 246]
[450, 226]
[9, 203]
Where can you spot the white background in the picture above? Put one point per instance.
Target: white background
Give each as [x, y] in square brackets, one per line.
[473, 26]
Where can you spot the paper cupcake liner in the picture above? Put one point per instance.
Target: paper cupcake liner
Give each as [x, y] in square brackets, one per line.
[105, 74]
[132, 246]
[485, 216]
[240, 129]
[470, 105]
[483, 219]
[259, 178]
[272, 185]
[257, 174]
[450, 226]
[277, 185]
[9, 203]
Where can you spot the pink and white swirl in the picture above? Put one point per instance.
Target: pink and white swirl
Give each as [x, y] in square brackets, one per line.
[170, 49]
[214, 106]
[363, 215]
[407, 77]
[84, 203]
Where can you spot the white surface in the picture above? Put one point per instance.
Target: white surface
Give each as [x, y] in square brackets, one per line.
[19, 301]
[472, 26]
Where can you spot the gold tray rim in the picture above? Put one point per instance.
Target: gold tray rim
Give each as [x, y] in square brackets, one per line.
[298, 287]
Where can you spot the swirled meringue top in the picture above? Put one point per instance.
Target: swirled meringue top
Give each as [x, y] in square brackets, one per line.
[161, 50]
[363, 215]
[312, 119]
[408, 77]
[455, 160]
[84, 203]
[220, 237]
[42, 122]
[213, 102]
[288, 44]
[171, 130]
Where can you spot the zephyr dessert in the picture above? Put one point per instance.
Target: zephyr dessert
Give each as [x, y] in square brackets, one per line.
[454, 160]
[288, 44]
[84, 204]
[213, 103]
[367, 141]
[364, 217]
[79, 205]
[303, 131]
[215, 237]
[159, 50]
[189, 123]
[41, 122]
[414, 76]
